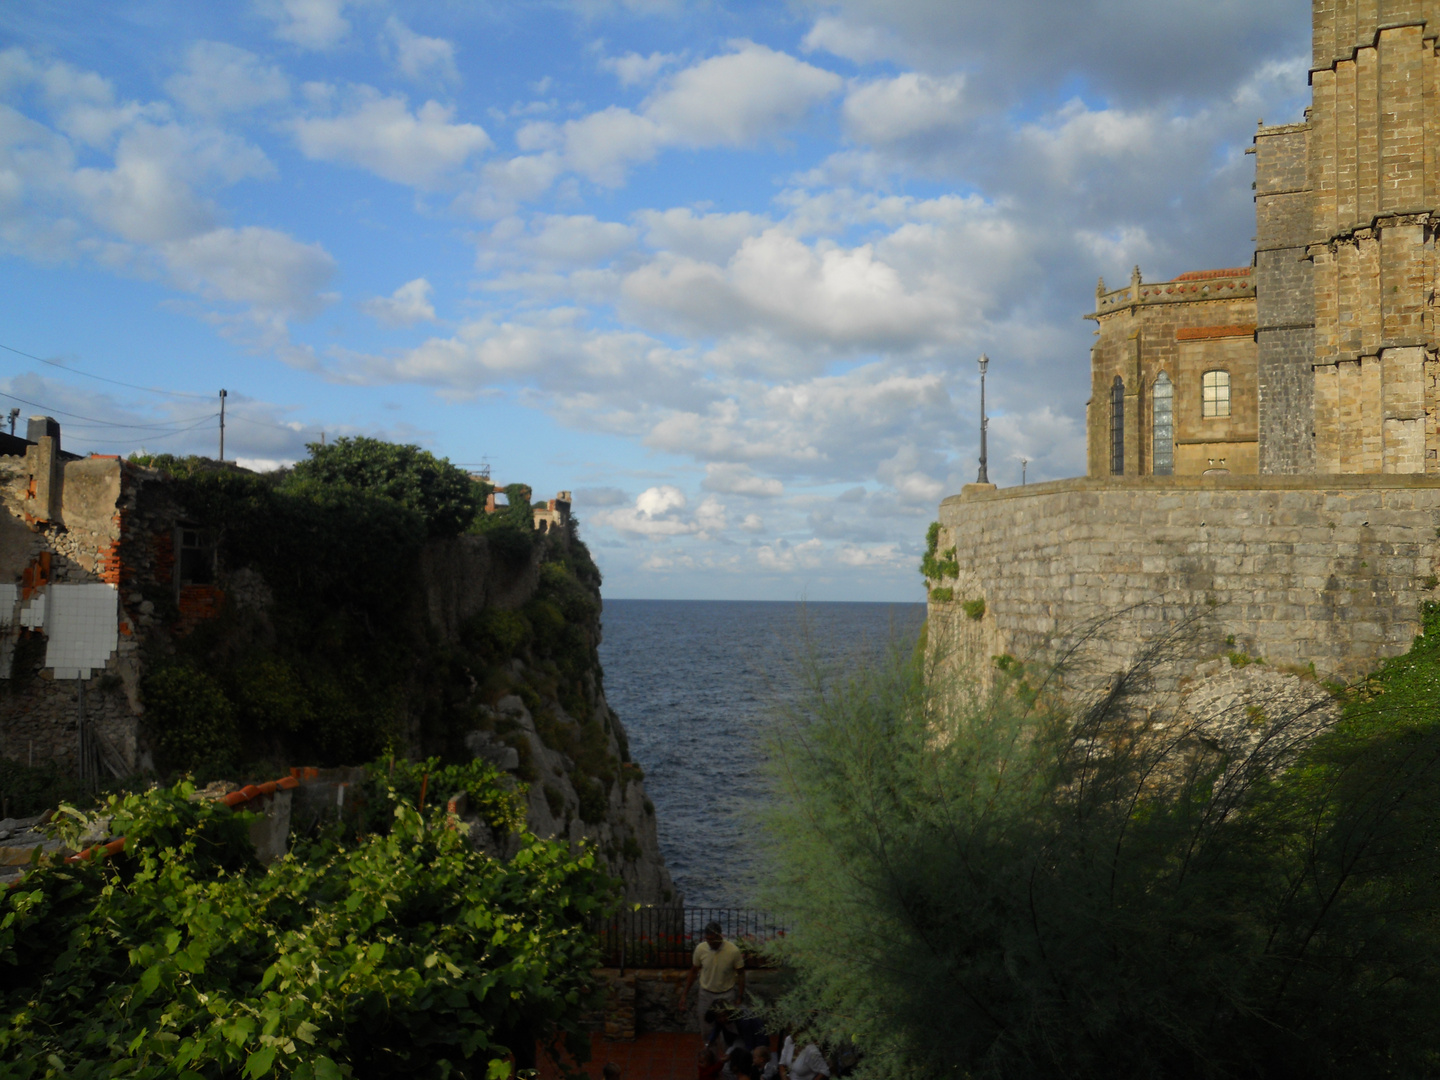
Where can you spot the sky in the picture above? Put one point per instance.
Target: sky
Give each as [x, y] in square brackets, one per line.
[721, 269]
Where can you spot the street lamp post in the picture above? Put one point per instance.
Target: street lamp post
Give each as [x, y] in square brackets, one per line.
[984, 477]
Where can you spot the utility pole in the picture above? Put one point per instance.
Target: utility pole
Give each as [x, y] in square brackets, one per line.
[1023, 463]
[223, 395]
[984, 477]
[14, 415]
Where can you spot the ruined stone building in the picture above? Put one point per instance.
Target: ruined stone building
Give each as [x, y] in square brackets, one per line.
[1261, 440]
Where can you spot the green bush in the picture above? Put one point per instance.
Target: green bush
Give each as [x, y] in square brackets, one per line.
[1103, 891]
[934, 566]
[402, 953]
[498, 633]
[444, 496]
[189, 720]
[974, 609]
[591, 793]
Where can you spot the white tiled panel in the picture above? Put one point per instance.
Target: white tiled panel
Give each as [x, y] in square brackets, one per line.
[32, 615]
[82, 628]
[9, 597]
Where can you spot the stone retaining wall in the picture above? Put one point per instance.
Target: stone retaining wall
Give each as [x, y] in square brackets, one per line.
[1322, 570]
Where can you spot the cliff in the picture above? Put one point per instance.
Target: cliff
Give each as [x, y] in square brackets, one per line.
[243, 623]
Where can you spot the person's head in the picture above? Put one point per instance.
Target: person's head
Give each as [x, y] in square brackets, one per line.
[611, 1071]
[707, 1056]
[739, 1061]
[761, 1056]
[714, 935]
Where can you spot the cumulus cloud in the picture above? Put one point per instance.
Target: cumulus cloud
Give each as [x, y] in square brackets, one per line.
[751, 93]
[406, 306]
[218, 78]
[141, 205]
[419, 57]
[381, 134]
[1129, 50]
[633, 69]
[655, 514]
[905, 107]
[311, 24]
[739, 98]
[550, 240]
[741, 480]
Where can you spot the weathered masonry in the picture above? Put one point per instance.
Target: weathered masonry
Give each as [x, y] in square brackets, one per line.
[1339, 372]
[1262, 440]
[1316, 570]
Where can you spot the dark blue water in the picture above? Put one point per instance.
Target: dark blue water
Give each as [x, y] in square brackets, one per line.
[695, 682]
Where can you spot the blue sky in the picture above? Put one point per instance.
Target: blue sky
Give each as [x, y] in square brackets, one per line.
[722, 269]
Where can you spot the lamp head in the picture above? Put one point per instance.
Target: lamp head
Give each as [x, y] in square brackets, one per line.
[984, 362]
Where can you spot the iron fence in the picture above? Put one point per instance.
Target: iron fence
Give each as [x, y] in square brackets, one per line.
[666, 936]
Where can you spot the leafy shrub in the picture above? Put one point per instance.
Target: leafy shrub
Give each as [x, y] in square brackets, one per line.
[498, 633]
[32, 790]
[974, 609]
[1099, 892]
[591, 793]
[934, 566]
[444, 496]
[190, 721]
[399, 954]
[554, 799]
[942, 595]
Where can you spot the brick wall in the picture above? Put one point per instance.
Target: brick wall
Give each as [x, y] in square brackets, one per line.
[1300, 570]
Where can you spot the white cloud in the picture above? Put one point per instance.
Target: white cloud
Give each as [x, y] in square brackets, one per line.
[862, 44]
[735, 99]
[419, 57]
[381, 134]
[407, 305]
[633, 69]
[741, 480]
[311, 24]
[218, 78]
[256, 266]
[707, 237]
[658, 501]
[148, 195]
[820, 293]
[560, 239]
[655, 514]
[904, 107]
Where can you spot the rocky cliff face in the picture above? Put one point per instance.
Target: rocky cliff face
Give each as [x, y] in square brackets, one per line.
[264, 625]
[542, 716]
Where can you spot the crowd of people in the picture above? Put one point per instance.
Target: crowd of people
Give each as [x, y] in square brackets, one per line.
[736, 1044]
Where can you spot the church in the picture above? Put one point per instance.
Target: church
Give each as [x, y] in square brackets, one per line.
[1320, 357]
[1261, 440]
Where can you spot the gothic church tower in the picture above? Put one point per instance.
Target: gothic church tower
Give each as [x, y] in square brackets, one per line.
[1374, 176]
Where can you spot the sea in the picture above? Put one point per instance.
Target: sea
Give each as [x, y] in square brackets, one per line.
[696, 684]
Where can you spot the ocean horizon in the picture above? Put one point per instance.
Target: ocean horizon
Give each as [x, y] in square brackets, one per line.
[697, 684]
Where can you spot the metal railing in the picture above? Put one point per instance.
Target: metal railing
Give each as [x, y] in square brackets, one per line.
[666, 936]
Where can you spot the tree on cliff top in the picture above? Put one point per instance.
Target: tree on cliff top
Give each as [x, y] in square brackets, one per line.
[986, 886]
[441, 493]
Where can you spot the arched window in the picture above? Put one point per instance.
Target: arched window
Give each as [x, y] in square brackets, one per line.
[1162, 435]
[1215, 394]
[1117, 427]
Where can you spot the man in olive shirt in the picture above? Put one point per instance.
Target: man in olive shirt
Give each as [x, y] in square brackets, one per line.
[721, 967]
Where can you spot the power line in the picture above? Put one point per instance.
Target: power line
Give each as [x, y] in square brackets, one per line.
[107, 423]
[157, 438]
[102, 378]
